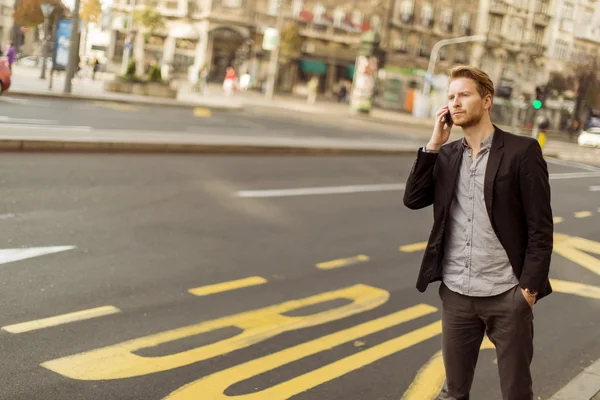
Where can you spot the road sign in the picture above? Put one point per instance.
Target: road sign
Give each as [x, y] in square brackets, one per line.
[270, 39]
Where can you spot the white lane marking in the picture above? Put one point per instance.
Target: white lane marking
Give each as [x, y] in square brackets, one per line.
[12, 255]
[575, 175]
[565, 163]
[9, 120]
[594, 188]
[309, 191]
[7, 216]
[61, 319]
[61, 128]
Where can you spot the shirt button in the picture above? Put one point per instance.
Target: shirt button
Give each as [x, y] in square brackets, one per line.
[469, 219]
[468, 243]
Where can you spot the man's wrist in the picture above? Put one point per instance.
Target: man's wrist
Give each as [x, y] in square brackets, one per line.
[433, 147]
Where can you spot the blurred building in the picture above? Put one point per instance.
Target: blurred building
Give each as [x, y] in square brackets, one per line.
[6, 22]
[220, 33]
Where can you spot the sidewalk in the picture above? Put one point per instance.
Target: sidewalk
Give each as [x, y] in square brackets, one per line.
[26, 82]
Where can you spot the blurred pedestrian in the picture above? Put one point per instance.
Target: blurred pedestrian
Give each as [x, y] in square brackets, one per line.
[11, 54]
[229, 84]
[313, 87]
[492, 236]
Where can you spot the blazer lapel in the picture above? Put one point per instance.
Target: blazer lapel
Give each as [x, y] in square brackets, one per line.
[494, 159]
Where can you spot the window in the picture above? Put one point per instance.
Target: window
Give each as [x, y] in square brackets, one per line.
[587, 17]
[297, 7]
[516, 30]
[446, 19]
[567, 11]
[406, 10]
[427, 15]
[338, 17]
[401, 45]
[376, 23]
[356, 18]
[496, 25]
[461, 56]
[423, 48]
[539, 36]
[465, 23]
[273, 7]
[319, 11]
[561, 50]
[443, 53]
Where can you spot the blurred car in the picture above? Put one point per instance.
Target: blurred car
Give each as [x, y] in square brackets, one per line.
[590, 137]
[34, 61]
[4, 77]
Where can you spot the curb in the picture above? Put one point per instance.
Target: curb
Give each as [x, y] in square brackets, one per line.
[72, 146]
[98, 146]
[140, 102]
[584, 386]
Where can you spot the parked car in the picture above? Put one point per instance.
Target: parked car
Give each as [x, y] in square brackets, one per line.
[590, 137]
[4, 77]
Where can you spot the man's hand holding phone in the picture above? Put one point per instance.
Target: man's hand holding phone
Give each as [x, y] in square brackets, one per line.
[441, 130]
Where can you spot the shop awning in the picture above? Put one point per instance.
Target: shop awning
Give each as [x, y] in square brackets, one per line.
[313, 67]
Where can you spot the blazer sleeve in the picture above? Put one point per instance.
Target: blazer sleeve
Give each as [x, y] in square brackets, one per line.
[419, 191]
[535, 195]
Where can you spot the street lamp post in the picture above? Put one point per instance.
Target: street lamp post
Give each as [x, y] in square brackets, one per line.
[128, 48]
[73, 48]
[274, 60]
[47, 10]
[436, 50]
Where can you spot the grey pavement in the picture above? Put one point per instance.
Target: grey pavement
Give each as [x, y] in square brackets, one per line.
[147, 228]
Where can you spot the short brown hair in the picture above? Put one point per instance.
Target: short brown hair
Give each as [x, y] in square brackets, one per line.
[485, 85]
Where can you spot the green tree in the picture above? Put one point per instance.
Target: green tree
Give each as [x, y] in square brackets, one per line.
[91, 11]
[559, 83]
[150, 19]
[29, 12]
[291, 43]
[587, 86]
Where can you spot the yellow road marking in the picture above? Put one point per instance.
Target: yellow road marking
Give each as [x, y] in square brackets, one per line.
[202, 112]
[343, 262]
[558, 220]
[572, 248]
[410, 248]
[61, 319]
[578, 289]
[583, 214]
[119, 361]
[213, 386]
[227, 286]
[430, 378]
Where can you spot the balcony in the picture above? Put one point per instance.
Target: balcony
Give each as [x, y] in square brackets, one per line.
[498, 7]
[541, 19]
[535, 49]
[494, 39]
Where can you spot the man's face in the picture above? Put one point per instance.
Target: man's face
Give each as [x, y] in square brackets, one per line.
[465, 103]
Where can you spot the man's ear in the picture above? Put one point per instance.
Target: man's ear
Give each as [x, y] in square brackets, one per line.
[488, 101]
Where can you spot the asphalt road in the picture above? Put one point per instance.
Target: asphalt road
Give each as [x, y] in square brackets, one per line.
[147, 229]
[32, 113]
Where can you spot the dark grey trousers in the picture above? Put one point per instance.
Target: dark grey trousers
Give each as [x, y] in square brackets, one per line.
[507, 319]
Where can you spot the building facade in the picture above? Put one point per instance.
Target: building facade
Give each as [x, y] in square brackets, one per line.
[222, 33]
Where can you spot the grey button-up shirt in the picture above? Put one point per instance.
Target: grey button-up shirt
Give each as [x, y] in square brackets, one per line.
[475, 263]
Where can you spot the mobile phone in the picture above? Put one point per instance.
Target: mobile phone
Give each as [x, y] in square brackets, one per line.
[449, 121]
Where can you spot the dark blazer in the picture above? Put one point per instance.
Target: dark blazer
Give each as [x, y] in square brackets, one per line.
[517, 198]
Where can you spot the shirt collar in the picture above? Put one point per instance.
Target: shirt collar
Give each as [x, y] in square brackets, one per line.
[486, 144]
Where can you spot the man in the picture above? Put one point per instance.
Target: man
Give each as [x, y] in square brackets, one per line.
[492, 236]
